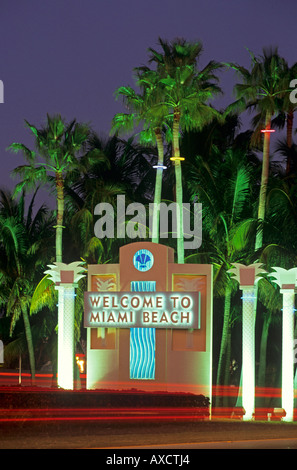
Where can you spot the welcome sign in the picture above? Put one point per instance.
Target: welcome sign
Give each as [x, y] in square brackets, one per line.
[176, 310]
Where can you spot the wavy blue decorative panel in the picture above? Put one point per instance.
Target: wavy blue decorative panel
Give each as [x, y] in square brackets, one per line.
[142, 341]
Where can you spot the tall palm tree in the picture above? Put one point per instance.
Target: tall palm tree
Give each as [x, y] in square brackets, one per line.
[186, 92]
[262, 89]
[58, 145]
[285, 118]
[145, 110]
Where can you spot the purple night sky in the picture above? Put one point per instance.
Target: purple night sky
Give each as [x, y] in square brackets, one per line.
[69, 56]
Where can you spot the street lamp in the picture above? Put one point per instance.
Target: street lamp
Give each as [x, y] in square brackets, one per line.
[160, 166]
[177, 159]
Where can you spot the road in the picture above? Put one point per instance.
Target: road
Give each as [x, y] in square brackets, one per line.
[284, 443]
[220, 434]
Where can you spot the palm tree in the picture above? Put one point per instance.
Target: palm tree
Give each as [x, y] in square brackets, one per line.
[145, 110]
[285, 117]
[281, 226]
[262, 89]
[124, 169]
[186, 92]
[224, 186]
[24, 244]
[58, 145]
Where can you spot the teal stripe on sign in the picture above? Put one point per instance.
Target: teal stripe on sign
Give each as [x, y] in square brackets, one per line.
[142, 341]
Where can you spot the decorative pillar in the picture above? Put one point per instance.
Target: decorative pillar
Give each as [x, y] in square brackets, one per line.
[248, 276]
[286, 280]
[66, 277]
[1, 352]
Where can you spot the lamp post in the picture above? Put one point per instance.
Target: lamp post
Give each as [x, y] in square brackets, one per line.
[248, 276]
[286, 280]
[66, 277]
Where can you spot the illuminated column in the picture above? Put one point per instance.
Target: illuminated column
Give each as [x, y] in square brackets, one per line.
[65, 278]
[247, 276]
[286, 280]
[1, 352]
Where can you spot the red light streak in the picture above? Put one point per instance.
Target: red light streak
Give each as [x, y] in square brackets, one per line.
[101, 414]
[126, 414]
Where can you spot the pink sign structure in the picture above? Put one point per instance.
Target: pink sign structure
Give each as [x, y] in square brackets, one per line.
[149, 322]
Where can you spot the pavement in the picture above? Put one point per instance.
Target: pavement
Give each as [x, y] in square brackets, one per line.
[153, 434]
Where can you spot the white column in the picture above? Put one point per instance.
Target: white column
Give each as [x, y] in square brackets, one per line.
[66, 277]
[288, 354]
[1, 352]
[66, 336]
[60, 290]
[248, 352]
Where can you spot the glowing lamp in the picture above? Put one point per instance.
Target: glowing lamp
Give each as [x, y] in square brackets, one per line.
[267, 131]
[160, 166]
[177, 158]
[80, 363]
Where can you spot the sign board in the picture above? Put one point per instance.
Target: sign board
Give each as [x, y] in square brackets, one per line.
[174, 310]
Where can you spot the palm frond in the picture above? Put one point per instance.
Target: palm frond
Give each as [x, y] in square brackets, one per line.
[44, 295]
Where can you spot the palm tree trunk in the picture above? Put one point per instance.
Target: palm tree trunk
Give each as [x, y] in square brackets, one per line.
[179, 187]
[30, 346]
[264, 181]
[226, 398]
[262, 196]
[158, 187]
[290, 117]
[224, 339]
[60, 215]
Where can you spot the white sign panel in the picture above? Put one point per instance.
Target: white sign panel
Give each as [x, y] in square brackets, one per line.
[178, 310]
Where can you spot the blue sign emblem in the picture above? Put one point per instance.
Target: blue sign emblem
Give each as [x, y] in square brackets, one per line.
[143, 260]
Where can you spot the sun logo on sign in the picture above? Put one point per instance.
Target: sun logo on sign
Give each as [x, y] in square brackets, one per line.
[143, 260]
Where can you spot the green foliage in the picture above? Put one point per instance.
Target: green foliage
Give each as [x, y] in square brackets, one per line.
[44, 295]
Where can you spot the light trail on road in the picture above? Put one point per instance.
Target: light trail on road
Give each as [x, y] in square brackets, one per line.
[282, 443]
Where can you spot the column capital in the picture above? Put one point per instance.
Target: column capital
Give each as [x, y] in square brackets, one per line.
[246, 276]
[286, 279]
[66, 274]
